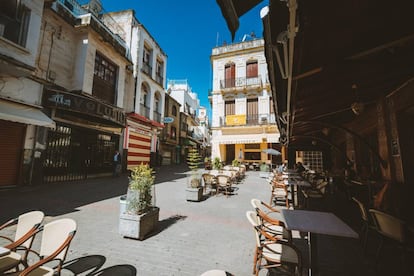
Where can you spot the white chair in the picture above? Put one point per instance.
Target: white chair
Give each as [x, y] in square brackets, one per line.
[279, 194]
[367, 224]
[216, 272]
[56, 238]
[271, 252]
[27, 225]
[392, 229]
[271, 220]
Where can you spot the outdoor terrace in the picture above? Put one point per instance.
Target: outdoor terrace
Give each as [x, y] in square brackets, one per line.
[191, 237]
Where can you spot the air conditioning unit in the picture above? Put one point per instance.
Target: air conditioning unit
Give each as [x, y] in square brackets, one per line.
[263, 120]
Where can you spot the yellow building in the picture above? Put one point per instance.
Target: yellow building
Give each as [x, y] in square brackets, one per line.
[243, 120]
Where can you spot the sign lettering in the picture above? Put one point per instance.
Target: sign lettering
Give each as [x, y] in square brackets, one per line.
[84, 105]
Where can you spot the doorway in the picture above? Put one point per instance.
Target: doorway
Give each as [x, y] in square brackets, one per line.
[230, 153]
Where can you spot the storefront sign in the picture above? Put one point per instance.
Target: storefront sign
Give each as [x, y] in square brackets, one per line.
[84, 105]
[168, 120]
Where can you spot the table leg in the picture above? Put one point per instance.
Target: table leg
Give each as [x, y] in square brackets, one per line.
[294, 193]
[313, 254]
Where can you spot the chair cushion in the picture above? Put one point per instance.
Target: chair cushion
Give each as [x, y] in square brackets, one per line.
[283, 253]
[277, 230]
[42, 271]
[9, 261]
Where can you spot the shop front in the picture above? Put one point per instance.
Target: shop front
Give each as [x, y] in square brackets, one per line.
[86, 136]
[248, 148]
[20, 125]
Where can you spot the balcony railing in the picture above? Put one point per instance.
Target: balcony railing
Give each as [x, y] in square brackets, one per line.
[145, 111]
[240, 82]
[157, 116]
[247, 120]
[147, 69]
[159, 79]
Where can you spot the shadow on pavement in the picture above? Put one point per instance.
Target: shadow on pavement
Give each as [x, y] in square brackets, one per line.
[170, 173]
[91, 265]
[119, 270]
[61, 198]
[56, 199]
[165, 223]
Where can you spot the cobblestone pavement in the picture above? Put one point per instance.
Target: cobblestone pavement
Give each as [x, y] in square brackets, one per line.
[190, 238]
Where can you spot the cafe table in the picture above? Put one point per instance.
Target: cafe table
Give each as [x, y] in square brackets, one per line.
[315, 222]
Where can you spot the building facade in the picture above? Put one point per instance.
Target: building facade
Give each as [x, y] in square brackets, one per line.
[145, 106]
[190, 136]
[243, 122]
[86, 71]
[170, 135]
[22, 120]
[204, 131]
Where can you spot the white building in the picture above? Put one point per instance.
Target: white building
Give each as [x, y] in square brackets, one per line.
[144, 107]
[204, 129]
[190, 135]
[243, 122]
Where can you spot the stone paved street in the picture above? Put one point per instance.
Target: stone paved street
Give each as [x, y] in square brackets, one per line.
[191, 237]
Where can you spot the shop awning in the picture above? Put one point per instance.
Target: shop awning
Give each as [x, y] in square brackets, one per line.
[248, 138]
[24, 114]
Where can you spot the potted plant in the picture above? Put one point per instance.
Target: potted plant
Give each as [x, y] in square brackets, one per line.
[264, 170]
[194, 189]
[141, 215]
[217, 165]
[235, 163]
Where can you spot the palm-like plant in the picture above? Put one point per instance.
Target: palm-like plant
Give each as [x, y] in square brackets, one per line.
[194, 161]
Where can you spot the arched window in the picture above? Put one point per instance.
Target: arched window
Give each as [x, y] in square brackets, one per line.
[174, 110]
[144, 95]
[157, 103]
[144, 100]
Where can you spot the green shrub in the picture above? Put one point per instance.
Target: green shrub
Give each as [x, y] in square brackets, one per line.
[139, 196]
[217, 165]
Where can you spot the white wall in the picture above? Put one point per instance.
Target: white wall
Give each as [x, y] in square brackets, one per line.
[26, 54]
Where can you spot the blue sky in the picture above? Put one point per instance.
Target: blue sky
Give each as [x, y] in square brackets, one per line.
[187, 31]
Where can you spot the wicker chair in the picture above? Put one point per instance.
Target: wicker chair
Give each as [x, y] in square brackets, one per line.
[224, 183]
[273, 253]
[209, 182]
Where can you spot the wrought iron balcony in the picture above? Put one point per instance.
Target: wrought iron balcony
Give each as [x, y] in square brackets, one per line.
[247, 120]
[145, 111]
[157, 116]
[159, 79]
[147, 69]
[240, 82]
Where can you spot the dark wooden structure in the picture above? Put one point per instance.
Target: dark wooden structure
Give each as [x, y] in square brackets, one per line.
[342, 75]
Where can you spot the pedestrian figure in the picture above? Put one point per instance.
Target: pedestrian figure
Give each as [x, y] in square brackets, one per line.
[117, 163]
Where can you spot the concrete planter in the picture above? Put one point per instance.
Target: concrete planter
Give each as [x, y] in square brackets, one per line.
[194, 194]
[138, 226]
